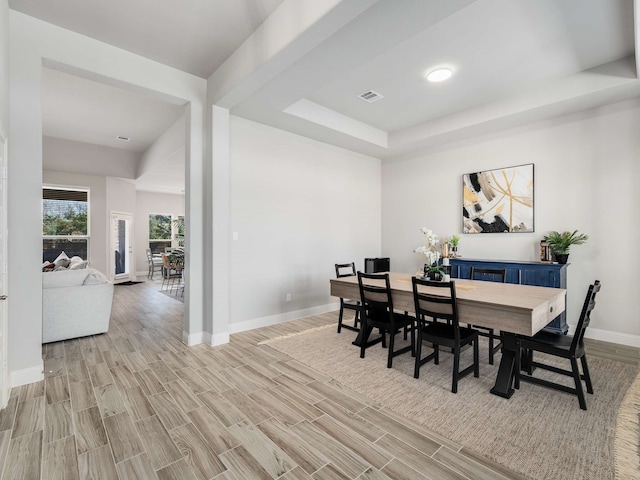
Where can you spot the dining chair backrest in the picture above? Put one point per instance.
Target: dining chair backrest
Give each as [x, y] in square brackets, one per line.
[375, 296]
[149, 255]
[488, 274]
[345, 270]
[585, 316]
[436, 300]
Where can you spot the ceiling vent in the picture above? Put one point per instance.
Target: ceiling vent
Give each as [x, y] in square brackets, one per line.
[124, 139]
[370, 96]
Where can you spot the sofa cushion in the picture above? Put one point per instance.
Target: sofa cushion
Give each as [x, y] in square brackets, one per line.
[95, 278]
[64, 278]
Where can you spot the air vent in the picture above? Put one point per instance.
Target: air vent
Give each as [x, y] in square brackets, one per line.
[124, 139]
[370, 96]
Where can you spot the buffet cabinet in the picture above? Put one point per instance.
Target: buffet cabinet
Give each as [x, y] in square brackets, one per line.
[525, 273]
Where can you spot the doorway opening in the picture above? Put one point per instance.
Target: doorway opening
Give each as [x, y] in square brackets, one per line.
[121, 246]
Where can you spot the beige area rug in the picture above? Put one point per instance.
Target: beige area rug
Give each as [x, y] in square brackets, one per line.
[539, 432]
[627, 443]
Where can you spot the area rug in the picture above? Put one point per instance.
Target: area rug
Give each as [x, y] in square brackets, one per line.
[627, 443]
[172, 293]
[540, 433]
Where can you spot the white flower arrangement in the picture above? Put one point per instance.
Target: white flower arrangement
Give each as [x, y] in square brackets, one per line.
[430, 250]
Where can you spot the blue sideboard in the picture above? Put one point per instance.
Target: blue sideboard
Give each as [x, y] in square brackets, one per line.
[525, 273]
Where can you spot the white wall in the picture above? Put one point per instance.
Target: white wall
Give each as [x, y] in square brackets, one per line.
[97, 214]
[33, 42]
[4, 66]
[171, 140]
[586, 170]
[69, 156]
[146, 203]
[299, 206]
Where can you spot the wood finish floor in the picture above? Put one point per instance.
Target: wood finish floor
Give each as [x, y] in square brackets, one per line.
[136, 403]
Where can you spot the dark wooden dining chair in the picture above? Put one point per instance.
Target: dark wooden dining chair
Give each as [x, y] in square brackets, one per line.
[377, 312]
[348, 270]
[431, 306]
[564, 346]
[489, 275]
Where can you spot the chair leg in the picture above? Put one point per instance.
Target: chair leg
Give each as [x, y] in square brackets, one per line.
[476, 358]
[356, 318]
[456, 369]
[363, 344]
[340, 316]
[416, 370]
[413, 339]
[518, 366]
[491, 347]
[392, 336]
[436, 356]
[585, 371]
[578, 380]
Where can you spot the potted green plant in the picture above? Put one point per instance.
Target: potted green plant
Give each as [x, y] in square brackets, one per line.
[561, 242]
[453, 242]
[433, 272]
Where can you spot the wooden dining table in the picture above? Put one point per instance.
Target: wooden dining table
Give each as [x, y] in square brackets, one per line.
[510, 308]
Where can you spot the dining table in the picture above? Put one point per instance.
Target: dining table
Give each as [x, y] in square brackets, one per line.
[512, 309]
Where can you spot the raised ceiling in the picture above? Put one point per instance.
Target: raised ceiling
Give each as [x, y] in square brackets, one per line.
[514, 61]
[82, 110]
[194, 36]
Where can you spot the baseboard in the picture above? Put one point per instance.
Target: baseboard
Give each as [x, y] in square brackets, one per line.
[609, 336]
[191, 339]
[281, 317]
[27, 375]
[218, 339]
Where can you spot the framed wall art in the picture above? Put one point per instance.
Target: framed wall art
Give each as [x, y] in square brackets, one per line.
[498, 201]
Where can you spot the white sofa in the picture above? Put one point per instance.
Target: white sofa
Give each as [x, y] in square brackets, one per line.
[75, 303]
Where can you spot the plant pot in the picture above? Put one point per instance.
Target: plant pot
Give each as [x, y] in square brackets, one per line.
[434, 276]
[562, 258]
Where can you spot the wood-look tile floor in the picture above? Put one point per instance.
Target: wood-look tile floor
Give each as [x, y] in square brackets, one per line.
[136, 403]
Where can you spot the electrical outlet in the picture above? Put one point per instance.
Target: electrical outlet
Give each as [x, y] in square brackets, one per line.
[288, 297]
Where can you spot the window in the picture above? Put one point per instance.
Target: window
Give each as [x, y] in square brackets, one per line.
[165, 231]
[65, 223]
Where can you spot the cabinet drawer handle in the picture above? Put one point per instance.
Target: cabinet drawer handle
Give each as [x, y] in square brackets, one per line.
[550, 309]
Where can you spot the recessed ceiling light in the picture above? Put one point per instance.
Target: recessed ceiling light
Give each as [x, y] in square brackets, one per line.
[124, 139]
[439, 74]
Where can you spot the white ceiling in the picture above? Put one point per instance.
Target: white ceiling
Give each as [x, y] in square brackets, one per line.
[194, 36]
[74, 108]
[514, 62]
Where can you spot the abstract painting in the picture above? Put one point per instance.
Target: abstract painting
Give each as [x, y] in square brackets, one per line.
[498, 201]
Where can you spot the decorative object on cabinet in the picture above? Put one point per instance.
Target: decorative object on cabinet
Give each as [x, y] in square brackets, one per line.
[453, 249]
[561, 242]
[545, 251]
[525, 273]
[377, 265]
[498, 201]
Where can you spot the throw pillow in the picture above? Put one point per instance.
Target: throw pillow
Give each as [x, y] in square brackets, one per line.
[62, 260]
[76, 263]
